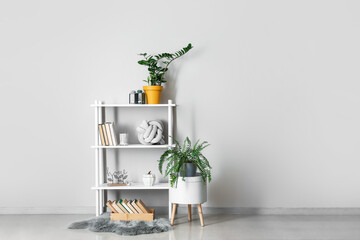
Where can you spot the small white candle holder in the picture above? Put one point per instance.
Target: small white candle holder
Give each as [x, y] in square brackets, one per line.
[124, 139]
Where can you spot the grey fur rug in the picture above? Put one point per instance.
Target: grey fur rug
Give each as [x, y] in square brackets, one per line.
[131, 228]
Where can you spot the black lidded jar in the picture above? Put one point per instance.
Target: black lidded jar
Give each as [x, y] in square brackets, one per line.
[140, 95]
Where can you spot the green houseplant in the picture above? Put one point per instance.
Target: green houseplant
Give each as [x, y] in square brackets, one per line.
[180, 157]
[157, 66]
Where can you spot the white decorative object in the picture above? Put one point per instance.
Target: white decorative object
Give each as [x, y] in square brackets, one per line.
[149, 179]
[191, 191]
[124, 139]
[116, 177]
[151, 132]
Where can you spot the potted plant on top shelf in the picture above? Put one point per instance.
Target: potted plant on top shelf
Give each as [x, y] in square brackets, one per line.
[157, 66]
[182, 161]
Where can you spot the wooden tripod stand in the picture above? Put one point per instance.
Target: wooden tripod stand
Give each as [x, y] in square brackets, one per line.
[189, 214]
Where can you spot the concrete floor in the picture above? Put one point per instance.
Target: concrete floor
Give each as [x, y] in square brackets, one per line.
[222, 227]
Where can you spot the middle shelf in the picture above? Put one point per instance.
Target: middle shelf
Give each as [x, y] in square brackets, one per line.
[136, 146]
[133, 186]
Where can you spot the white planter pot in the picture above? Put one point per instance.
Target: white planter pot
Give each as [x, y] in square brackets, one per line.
[149, 179]
[191, 191]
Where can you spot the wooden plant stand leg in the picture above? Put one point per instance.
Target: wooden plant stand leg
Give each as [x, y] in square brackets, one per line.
[201, 215]
[173, 214]
[189, 212]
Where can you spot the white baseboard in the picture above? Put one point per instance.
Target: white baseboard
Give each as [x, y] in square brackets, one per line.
[278, 211]
[47, 210]
[183, 210]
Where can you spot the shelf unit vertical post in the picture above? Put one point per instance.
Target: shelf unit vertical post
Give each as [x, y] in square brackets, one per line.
[97, 195]
[170, 123]
[101, 163]
[170, 139]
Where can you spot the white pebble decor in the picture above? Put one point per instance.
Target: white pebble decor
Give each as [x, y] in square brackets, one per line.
[151, 132]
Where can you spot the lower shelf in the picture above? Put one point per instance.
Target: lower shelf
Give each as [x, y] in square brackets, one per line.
[134, 186]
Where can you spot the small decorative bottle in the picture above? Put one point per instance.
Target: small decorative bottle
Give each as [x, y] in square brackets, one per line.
[133, 97]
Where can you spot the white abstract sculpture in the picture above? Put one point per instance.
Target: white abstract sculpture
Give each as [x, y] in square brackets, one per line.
[151, 132]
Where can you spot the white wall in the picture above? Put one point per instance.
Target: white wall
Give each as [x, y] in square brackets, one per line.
[272, 85]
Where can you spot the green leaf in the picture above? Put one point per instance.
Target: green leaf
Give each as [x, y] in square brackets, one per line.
[156, 71]
[176, 157]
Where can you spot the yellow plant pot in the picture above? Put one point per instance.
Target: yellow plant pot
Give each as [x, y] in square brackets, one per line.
[153, 94]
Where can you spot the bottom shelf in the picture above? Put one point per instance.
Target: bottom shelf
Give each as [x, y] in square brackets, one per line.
[134, 186]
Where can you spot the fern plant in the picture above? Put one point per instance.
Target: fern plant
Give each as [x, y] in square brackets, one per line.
[159, 64]
[179, 155]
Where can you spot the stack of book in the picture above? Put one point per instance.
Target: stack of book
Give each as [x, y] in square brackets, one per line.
[125, 206]
[107, 134]
[130, 210]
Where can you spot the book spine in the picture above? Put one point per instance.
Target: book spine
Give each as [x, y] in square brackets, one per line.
[126, 206]
[131, 207]
[142, 206]
[133, 203]
[121, 207]
[105, 135]
[113, 135]
[108, 133]
[109, 204]
[116, 207]
[101, 133]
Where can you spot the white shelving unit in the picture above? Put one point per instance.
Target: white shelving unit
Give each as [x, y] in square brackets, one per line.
[100, 186]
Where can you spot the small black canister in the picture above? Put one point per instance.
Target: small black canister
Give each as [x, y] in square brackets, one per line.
[140, 97]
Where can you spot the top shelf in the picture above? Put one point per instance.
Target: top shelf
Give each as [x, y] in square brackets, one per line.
[132, 105]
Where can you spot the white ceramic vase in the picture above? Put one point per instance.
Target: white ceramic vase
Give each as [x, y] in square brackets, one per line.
[149, 179]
